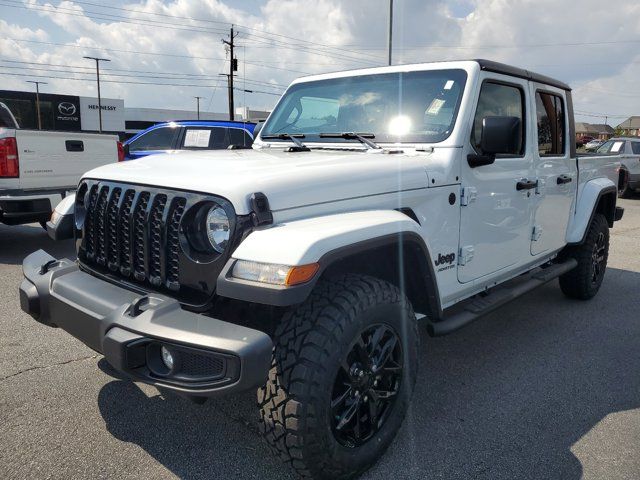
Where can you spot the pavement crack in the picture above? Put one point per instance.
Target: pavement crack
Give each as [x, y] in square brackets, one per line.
[42, 367]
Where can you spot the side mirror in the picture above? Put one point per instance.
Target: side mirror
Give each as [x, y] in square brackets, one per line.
[499, 135]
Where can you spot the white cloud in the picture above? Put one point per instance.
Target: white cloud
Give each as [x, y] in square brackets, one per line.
[513, 31]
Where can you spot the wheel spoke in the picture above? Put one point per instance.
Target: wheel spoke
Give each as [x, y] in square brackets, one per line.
[348, 414]
[376, 337]
[336, 402]
[385, 353]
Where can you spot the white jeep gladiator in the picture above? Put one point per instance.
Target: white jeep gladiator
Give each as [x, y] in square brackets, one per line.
[371, 198]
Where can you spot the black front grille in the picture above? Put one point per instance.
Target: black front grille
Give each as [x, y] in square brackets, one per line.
[133, 233]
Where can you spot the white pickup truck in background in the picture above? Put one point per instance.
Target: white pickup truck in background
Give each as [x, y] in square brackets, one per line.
[38, 168]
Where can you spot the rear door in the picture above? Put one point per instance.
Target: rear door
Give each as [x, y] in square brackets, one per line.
[158, 140]
[555, 170]
[495, 225]
[52, 160]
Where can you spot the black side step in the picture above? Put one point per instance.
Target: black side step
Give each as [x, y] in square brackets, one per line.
[482, 305]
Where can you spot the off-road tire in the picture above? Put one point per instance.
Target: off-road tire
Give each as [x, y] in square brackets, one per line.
[310, 343]
[624, 190]
[582, 282]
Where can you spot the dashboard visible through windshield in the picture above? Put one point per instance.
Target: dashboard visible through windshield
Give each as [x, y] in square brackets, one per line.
[415, 107]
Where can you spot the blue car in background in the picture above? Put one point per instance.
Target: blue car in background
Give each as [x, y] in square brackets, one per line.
[189, 135]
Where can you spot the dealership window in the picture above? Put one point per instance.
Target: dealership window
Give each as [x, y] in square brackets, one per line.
[498, 100]
[550, 116]
[158, 139]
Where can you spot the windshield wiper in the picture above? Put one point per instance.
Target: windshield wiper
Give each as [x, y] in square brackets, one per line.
[361, 137]
[299, 146]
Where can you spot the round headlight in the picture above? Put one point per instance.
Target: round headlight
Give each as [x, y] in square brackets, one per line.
[217, 228]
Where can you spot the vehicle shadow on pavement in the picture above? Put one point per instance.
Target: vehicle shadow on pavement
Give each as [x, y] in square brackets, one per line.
[508, 397]
[16, 242]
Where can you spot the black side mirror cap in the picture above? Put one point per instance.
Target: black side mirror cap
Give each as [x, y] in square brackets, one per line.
[501, 135]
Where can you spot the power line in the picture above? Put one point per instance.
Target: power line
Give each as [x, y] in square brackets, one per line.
[128, 82]
[190, 28]
[333, 47]
[156, 75]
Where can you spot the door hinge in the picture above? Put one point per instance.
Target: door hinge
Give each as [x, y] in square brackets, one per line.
[536, 233]
[466, 255]
[468, 195]
[541, 186]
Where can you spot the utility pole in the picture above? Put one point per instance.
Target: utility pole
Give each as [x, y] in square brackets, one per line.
[390, 35]
[98, 60]
[233, 67]
[198, 105]
[38, 100]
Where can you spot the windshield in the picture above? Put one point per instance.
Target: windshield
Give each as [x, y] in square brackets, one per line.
[415, 107]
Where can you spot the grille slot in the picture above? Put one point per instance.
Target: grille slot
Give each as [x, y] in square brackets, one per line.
[134, 232]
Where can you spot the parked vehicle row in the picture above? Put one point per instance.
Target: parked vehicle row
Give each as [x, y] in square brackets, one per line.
[297, 267]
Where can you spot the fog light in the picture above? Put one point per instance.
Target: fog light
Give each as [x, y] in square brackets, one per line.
[167, 357]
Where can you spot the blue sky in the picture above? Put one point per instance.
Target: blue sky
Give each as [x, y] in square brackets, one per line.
[178, 44]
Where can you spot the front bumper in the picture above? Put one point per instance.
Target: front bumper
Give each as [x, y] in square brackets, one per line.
[212, 357]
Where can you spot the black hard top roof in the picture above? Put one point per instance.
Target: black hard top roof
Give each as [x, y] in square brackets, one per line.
[497, 67]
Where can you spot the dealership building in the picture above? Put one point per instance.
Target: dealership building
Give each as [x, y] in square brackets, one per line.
[73, 113]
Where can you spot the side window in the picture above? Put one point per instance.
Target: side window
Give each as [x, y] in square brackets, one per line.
[238, 136]
[550, 115]
[498, 100]
[158, 139]
[635, 148]
[211, 138]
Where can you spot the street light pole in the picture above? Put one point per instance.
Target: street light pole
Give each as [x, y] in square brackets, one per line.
[98, 60]
[390, 34]
[198, 105]
[38, 100]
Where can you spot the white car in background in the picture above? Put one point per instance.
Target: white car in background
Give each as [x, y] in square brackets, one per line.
[628, 148]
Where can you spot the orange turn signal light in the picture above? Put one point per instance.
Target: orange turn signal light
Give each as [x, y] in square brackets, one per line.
[301, 274]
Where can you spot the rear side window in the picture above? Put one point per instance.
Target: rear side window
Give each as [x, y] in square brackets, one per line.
[238, 136]
[6, 120]
[635, 148]
[550, 115]
[159, 139]
[498, 100]
[206, 138]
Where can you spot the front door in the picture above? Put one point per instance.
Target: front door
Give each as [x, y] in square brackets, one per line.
[495, 228]
[555, 170]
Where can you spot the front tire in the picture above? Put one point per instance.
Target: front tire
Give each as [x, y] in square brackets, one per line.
[583, 282]
[343, 371]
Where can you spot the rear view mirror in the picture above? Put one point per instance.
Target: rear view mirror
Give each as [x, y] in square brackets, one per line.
[501, 135]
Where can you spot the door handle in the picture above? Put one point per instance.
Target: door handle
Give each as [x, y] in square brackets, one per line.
[526, 184]
[564, 179]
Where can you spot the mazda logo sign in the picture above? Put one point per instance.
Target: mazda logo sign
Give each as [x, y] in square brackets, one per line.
[66, 108]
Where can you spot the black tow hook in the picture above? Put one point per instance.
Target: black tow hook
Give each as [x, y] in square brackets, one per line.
[136, 306]
[47, 266]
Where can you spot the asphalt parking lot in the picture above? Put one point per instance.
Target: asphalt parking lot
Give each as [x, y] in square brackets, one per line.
[544, 388]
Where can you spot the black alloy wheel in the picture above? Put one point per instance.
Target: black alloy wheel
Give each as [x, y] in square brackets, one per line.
[598, 258]
[366, 386]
